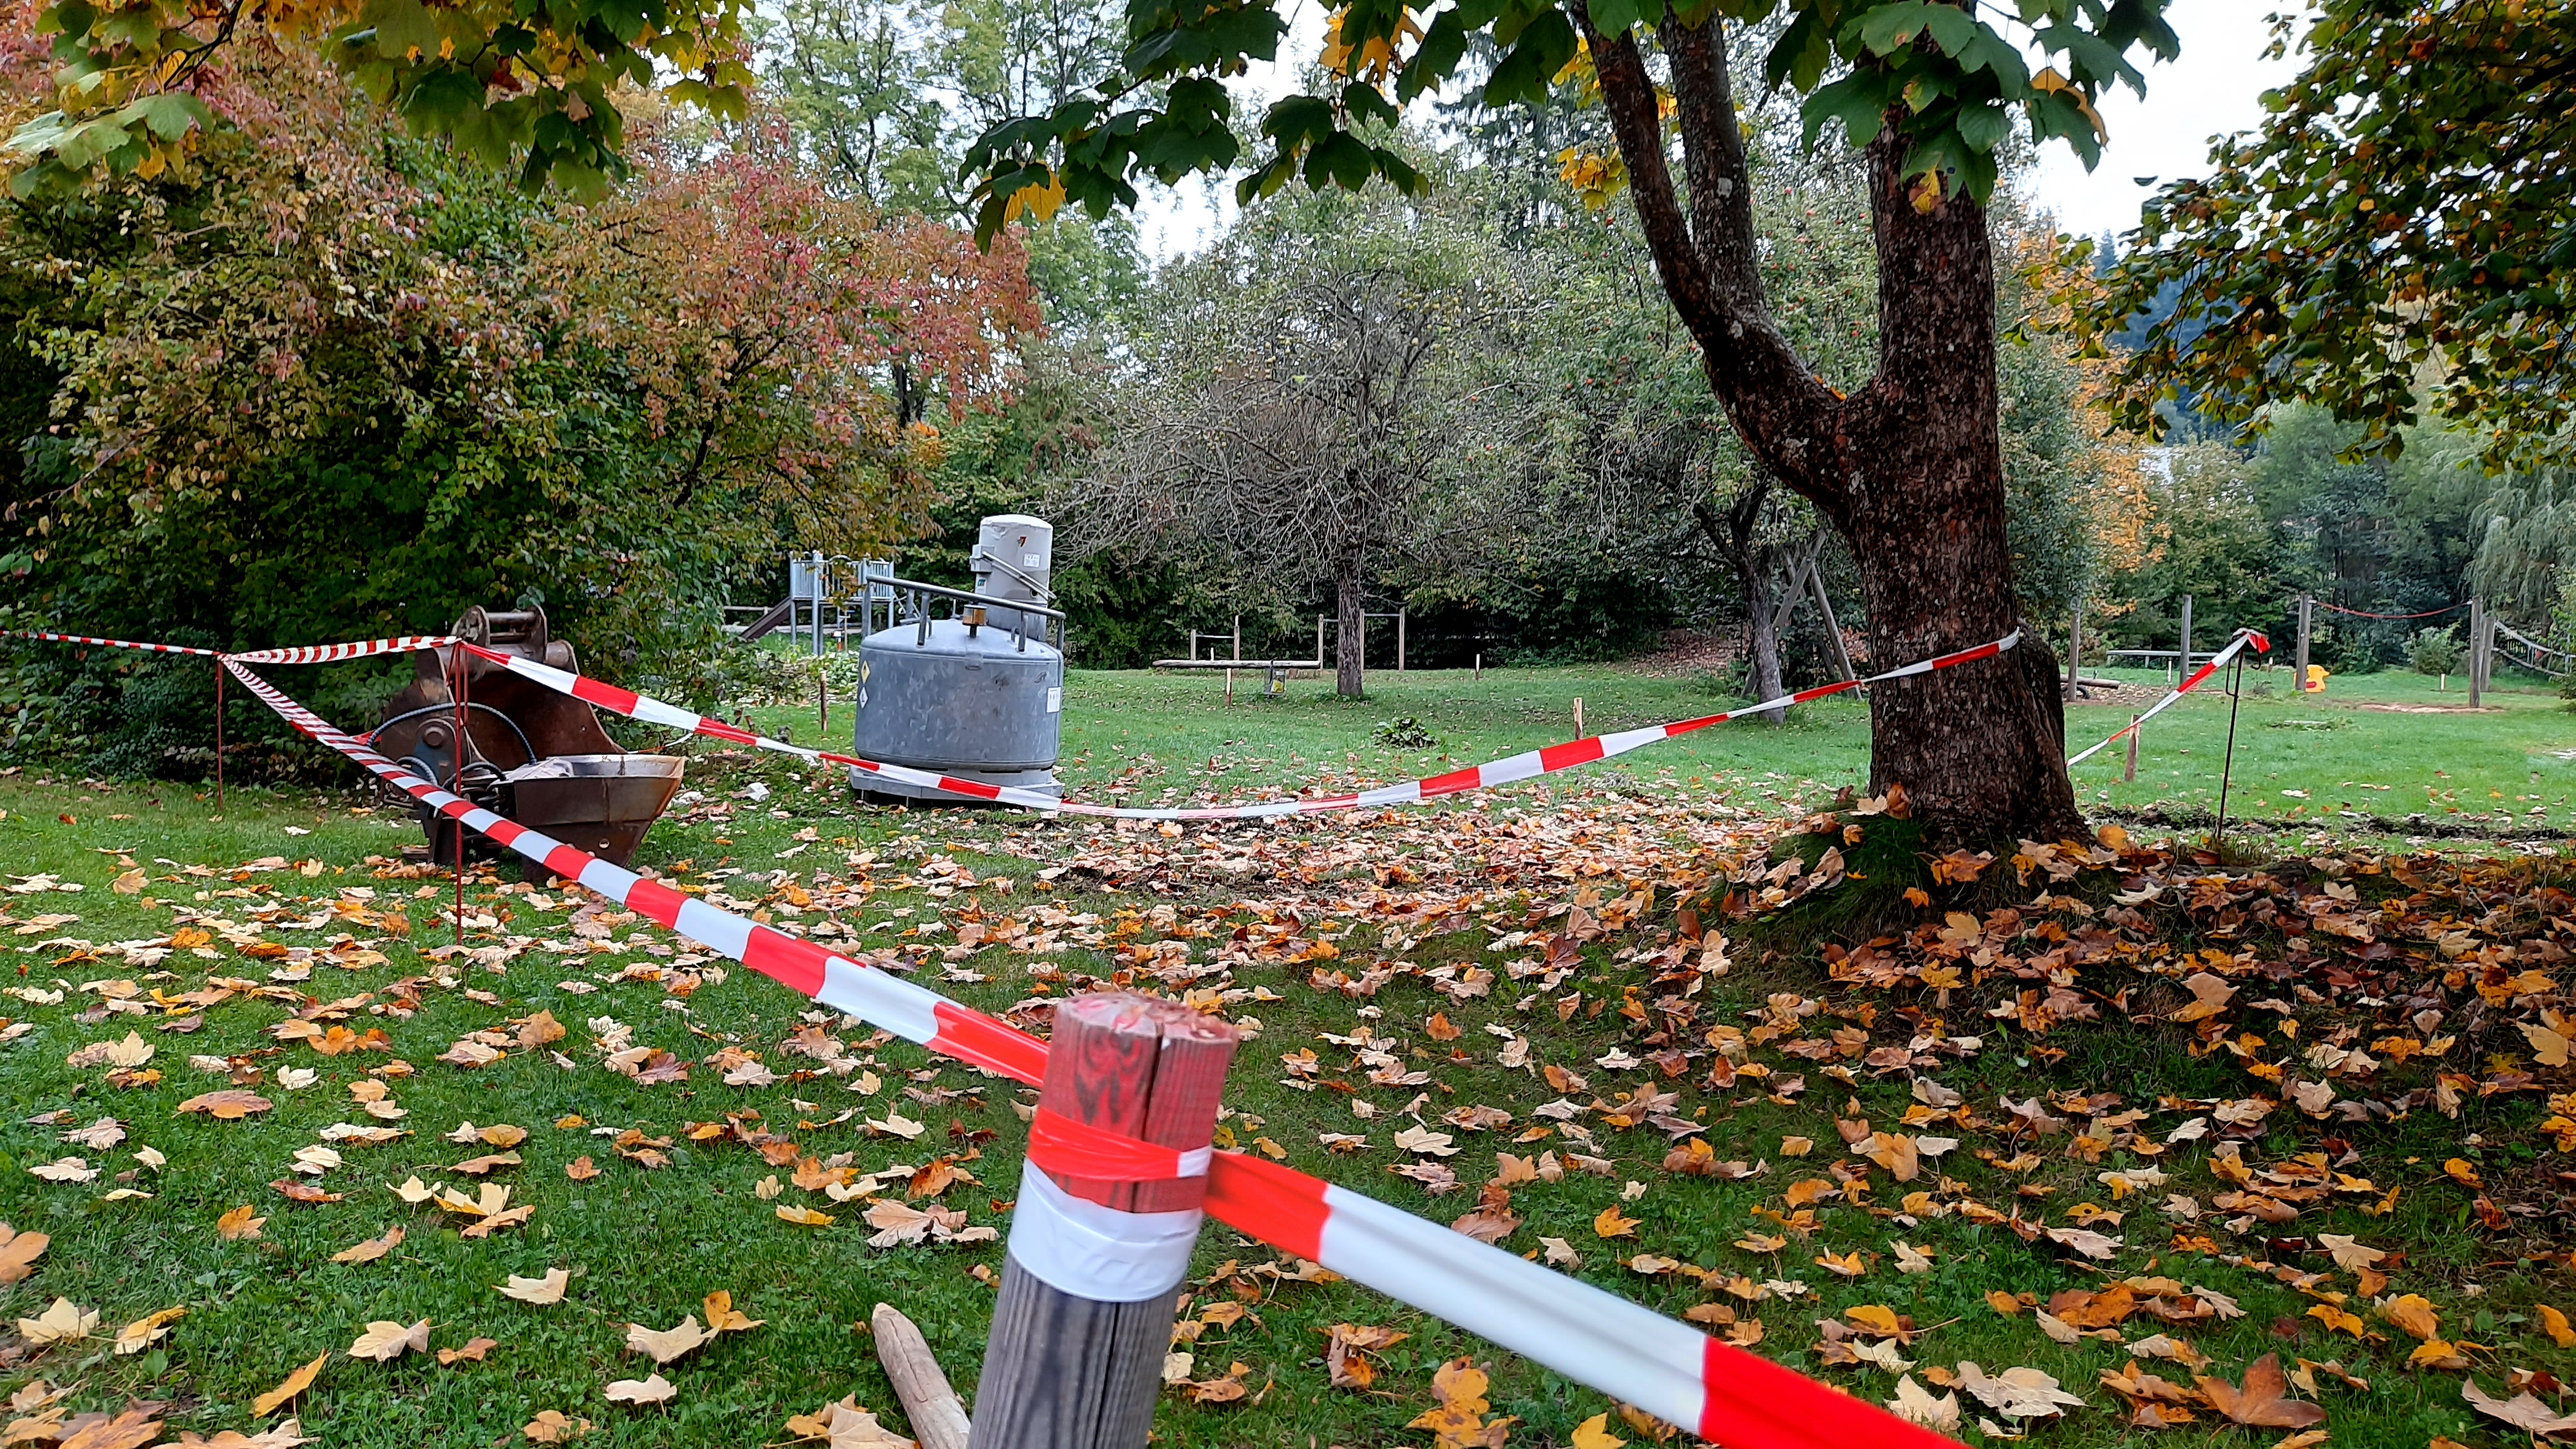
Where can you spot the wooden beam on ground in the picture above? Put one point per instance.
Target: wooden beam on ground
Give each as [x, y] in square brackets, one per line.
[938, 1419]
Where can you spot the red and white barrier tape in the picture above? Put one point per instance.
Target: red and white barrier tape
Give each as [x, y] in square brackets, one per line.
[305, 654]
[1412, 792]
[114, 643]
[1594, 1337]
[1069, 1147]
[333, 653]
[891, 1002]
[2217, 662]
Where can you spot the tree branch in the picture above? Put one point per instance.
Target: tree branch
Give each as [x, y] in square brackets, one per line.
[1721, 197]
[1789, 419]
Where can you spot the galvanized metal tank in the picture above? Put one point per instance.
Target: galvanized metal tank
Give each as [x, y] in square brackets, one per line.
[976, 700]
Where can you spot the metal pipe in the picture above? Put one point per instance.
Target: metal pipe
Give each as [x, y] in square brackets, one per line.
[458, 826]
[2227, 770]
[969, 596]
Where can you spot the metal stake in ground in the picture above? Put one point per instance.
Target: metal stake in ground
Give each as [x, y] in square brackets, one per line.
[457, 785]
[1075, 1358]
[219, 737]
[2227, 770]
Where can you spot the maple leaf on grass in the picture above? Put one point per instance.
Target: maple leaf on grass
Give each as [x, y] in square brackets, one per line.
[18, 1253]
[1915, 1404]
[229, 1105]
[1344, 1360]
[63, 1321]
[143, 1332]
[844, 1425]
[554, 1426]
[1610, 1224]
[1459, 1421]
[1594, 1433]
[2414, 1314]
[472, 1352]
[2017, 1393]
[723, 1317]
[539, 1291]
[296, 1383]
[2521, 1411]
[129, 1430]
[2263, 1401]
[652, 1389]
[384, 1341]
[2560, 1331]
[372, 1249]
[666, 1344]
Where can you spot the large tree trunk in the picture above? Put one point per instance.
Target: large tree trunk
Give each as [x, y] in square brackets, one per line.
[1909, 470]
[1762, 645]
[1983, 745]
[1350, 634]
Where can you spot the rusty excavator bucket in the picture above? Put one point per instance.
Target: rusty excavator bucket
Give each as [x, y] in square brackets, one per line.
[528, 753]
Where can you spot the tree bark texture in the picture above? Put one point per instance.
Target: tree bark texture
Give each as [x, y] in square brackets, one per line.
[1350, 633]
[1909, 469]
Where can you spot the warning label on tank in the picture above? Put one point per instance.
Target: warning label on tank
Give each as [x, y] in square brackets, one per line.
[1055, 701]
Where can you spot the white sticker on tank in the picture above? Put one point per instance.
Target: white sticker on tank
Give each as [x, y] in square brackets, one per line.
[1055, 701]
[1031, 560]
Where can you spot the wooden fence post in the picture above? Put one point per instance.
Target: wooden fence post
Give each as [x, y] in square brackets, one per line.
[2307, 604]
[2075, 652]
[1075, 1359]
[2486, 653]
[2477, 635]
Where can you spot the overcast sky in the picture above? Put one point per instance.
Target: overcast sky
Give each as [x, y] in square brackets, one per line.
[2213, 88]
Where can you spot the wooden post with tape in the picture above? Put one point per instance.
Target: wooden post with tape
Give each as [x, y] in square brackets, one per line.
[1075, 1359]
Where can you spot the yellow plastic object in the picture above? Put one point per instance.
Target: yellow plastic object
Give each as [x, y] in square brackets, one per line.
[2316, 680]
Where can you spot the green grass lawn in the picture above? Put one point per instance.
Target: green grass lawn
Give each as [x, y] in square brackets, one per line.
[646, 1240]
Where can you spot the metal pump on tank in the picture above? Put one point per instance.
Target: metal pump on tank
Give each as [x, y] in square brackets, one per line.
[978, 693]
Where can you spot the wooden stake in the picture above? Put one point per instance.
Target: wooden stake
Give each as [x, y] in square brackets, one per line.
[2307, 607]
[2130, 775]
[1833, 627]
[2477, 631]
[1578, 718]
[2075, 653]
[823, 703]
[1062, 1372]
[938, 1420]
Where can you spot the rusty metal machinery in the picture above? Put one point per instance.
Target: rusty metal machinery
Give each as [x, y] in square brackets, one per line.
[526, 752]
